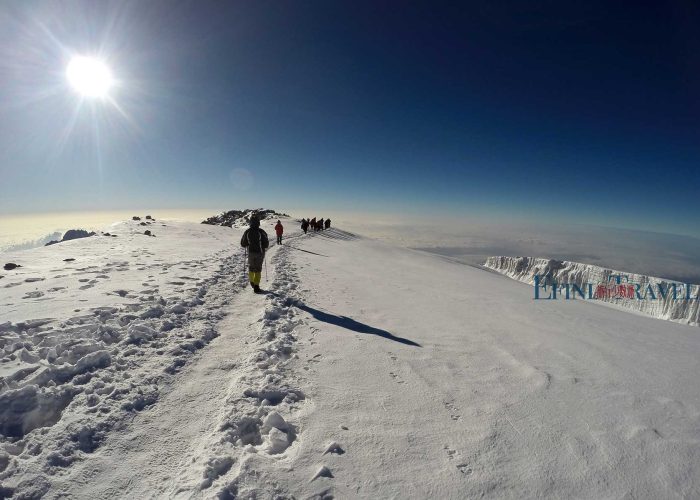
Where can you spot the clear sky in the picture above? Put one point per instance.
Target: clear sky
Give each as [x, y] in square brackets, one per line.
[585, 112]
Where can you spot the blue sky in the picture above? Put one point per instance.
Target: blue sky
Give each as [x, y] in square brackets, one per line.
[541, 111]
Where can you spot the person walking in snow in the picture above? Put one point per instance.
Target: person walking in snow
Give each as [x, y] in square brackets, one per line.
[328, 223]
[320, 224]
[304, 225]
[255, 240]
[279, 229]
[313, 224]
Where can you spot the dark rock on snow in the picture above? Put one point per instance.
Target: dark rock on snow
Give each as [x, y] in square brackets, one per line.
[72, 234]
[242, 216]
[10, 266]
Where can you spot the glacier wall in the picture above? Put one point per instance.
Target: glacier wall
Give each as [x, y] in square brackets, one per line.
[563, 272]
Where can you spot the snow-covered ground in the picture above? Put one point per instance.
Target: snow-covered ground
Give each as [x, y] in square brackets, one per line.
[366, 371]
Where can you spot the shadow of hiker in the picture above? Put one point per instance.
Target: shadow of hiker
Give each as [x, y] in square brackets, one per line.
[302, 250]
[351, 324]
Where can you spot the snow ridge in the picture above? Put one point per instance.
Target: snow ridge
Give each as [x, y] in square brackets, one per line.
[525, 269]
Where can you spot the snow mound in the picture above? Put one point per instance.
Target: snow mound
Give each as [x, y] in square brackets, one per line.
[525, 269]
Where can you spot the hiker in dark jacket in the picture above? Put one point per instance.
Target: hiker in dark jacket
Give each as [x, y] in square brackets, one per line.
[255, 240]
[304, 225]
[279, 230]
[320, 225]
[313, 224]
[328, 223]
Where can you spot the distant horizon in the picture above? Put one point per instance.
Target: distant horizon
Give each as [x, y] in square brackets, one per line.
[392, 218]
[549, 113]
[664, 255]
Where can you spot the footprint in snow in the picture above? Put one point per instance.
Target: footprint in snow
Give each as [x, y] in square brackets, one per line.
[396, 377]
[322, 472]
[454, 411]
[464, 469]
[334, 448]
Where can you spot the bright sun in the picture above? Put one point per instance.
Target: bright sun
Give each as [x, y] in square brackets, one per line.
[90, 77]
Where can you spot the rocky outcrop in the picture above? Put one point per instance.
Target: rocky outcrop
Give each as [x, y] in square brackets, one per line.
[239, 218]
[72, 234]
[562, 272]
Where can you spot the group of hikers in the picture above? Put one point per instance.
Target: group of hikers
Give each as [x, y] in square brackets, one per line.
[255, 241]
[315, 225]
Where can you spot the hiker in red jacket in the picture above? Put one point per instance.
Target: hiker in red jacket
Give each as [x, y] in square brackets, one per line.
[279, 230]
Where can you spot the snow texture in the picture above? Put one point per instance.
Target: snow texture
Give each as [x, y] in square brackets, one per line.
[137, 367]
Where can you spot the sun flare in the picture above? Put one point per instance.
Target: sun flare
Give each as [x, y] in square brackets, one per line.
[89, 77]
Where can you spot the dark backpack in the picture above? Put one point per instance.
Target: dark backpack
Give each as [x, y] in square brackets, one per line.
[255, 239]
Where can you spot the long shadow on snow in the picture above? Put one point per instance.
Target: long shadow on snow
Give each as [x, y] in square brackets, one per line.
[351, 324]
[302, 250]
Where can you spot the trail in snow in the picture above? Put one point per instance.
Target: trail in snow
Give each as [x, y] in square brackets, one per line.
[148, 458]
[231, 403]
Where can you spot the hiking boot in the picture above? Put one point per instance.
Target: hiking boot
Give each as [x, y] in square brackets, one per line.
[256, 288]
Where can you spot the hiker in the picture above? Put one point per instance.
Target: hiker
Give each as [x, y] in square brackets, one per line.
[255, 240]
[320, 225]
[313, 224]
[328, 223]
[279, 229]
[304, 225]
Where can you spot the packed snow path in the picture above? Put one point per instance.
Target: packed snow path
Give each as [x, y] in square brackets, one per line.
[164, 451]
[370, 371]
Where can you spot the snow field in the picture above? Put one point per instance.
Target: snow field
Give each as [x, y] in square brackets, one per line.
[502, 397]
[68, 382]
[366, 371]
